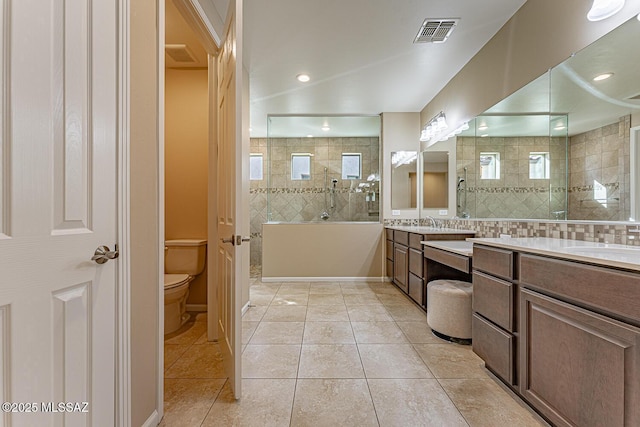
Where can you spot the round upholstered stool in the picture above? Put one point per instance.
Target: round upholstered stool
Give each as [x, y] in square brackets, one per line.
[449, 309]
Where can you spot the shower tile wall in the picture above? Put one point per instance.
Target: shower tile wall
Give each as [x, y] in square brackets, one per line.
[304, 200]
[514, 194]
[601, 156]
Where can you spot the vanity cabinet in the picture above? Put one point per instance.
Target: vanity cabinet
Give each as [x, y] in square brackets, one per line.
[405, 262]
[565, 335]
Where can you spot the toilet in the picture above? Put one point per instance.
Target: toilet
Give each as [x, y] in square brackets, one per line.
[183, 260]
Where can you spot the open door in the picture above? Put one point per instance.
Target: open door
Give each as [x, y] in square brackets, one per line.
[230, 274]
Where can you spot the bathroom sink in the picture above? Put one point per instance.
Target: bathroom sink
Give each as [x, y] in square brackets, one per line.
[595, 250]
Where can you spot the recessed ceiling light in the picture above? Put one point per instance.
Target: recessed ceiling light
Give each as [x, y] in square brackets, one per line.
[602, 77]
[483, 127]
[603, 9]
[326, 128]
[303, 78]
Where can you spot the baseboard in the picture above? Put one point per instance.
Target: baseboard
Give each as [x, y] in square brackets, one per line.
[197, 307]
[324, 279]
[153, 420]
[246, 307]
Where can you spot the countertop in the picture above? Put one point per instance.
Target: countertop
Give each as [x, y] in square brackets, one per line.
[460, 247]
[606, 254]
[429, 230]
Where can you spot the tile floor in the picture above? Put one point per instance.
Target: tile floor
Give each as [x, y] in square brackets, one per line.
[334, 354]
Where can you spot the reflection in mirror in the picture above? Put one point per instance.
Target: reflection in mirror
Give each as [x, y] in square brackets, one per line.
[576, 163]
[435, 179]
[404, 179]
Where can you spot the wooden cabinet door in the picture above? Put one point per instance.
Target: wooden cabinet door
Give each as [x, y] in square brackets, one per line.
[578, 368]
[401, 266]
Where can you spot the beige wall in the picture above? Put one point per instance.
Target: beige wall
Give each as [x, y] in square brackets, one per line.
[540, 35]
[324, 250]
[145, 278]
[186, 162]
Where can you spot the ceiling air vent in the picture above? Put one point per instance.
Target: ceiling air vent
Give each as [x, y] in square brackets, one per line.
[179, 52]
[436, 30]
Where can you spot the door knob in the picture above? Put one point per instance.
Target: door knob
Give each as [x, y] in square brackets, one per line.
[104, 254]
[229, 240]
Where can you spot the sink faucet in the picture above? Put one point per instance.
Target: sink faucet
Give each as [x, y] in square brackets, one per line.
[434, 222]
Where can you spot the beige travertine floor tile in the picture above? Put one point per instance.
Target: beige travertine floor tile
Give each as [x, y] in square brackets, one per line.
[255, 313]
[418, 333]
[414, 402]
[190, 335]
[270, 361]
[392, 361]
[451, 360]
[248, 328]
[292, 292]
[329, 288]
[173, 351]
[368, 313]
[285, 286]
[265, 402]
[353, 290]
[285, 313]
[278, 333]
[377, 333]
[394, 299]
[328, 333]
[260, 299]
[326, 299]
[484, 403]
[406, 313]
[199, 361]
[385, 288]
[201, 317]
[273, 286]
[327, 313]
[186, 402]
[362, 299]
[204, 339]
[290, 299]
[330, 361]
[331, 403]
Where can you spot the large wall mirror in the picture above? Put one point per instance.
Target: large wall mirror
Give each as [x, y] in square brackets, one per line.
[562, 147]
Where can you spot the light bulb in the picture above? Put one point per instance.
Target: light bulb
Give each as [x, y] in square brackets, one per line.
[603, 9]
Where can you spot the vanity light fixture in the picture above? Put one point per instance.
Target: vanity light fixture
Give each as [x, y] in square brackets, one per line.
[309, 136]
[483, 127]
[560, 127]
[601, 77]
[603, 9]
[434, 127]
[484, 135]
[303, 78]
[326, 128]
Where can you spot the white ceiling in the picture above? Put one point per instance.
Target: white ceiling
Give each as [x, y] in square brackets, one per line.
[359, 53]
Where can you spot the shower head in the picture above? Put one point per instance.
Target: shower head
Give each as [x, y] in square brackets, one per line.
[460, 180]
[335, 181]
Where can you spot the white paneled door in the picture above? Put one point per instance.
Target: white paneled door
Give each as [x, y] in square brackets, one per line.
[58, 140]
[229, 196]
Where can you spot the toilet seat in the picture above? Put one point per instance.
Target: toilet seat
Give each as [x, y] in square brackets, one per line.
[172, 281]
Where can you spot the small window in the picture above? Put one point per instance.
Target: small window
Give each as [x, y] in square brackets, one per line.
[255, 167]
[300, 166]
[351, 165]
[489, 165]
[539, 165]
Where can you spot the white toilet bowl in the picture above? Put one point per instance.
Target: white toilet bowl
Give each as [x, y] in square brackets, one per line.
[176, 291]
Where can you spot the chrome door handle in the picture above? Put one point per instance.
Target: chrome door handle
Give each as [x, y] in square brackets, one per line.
[104, 254]
[240, 239]
[229, 240]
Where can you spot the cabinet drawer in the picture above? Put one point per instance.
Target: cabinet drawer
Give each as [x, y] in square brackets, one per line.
[610, 291]
[415, 262]
[416, 289]
[390, 249]
[498, 262]
[389, 268]
[494, 299]
[459, 262]
[495, 347]
[415, 239]
[389, 233]
[401, 237]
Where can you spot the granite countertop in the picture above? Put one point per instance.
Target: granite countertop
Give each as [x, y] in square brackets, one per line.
[429, 230]
[460, 247]
[606, 254]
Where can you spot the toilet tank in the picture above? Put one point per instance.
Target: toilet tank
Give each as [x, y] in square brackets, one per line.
[185, 256]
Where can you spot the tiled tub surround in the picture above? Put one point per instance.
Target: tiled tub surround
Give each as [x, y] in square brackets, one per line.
[514, 194]
[602, 232]
[597, 158]
[304, 200]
